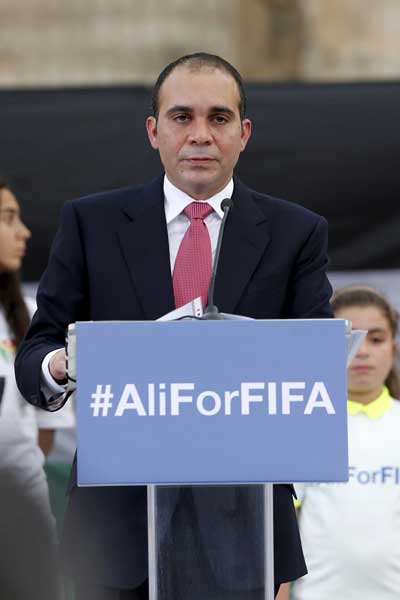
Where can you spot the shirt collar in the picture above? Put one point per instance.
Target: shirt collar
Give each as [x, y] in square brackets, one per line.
[375, 409]
[176, 200]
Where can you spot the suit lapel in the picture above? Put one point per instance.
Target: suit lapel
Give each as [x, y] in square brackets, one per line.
[144, 243]
[245, 240]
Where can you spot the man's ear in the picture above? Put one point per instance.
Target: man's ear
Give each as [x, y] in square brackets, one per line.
[151, 127]
[246, 133]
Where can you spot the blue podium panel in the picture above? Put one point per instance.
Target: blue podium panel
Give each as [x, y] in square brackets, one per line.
[211, 402]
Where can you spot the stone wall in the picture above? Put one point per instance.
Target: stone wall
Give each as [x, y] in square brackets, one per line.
[43, 42]
[351, 39]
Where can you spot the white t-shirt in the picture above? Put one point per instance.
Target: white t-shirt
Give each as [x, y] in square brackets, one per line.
[351, 531]
[19, 422]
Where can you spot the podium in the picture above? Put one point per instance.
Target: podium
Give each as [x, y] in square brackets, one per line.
[208, 415]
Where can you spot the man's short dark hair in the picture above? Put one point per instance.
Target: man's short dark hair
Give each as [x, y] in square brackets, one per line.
[197, 61]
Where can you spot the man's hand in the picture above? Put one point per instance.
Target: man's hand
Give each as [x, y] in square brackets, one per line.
[58, 367]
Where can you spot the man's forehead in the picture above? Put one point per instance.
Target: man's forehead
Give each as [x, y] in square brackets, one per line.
[181, 81]
[193, 72]
[197, 69]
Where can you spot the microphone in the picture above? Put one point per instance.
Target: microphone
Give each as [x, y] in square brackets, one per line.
[211, 312]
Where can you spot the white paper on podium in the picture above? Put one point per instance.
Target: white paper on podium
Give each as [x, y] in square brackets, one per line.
[229, 317]
[191, 309]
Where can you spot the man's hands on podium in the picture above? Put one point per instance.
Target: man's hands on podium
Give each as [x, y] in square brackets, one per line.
[58, 367]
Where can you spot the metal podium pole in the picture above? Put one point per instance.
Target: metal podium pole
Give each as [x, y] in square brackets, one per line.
[269, 586]
[152, 542]
[269, 589]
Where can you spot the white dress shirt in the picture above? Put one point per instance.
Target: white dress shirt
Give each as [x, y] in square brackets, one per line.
[177, 223]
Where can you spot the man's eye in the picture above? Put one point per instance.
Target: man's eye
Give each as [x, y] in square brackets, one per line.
[181, 118]
[220, 119]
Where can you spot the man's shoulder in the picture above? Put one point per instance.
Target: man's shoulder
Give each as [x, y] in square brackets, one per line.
[112, 197]
[131, 195]
[282, 209]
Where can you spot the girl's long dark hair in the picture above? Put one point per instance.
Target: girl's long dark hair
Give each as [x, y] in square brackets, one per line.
[11, 299]
[367, 296]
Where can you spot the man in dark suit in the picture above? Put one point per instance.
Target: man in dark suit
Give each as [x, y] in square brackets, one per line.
[126, 255]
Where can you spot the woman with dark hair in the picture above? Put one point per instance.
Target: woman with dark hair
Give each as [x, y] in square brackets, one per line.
[13, 237]
[28, 563]
[20, 423]
[351, 531]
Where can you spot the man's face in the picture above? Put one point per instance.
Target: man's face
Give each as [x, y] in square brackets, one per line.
[198, 132]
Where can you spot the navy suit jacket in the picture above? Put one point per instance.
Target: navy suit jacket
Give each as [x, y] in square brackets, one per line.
[110, 261]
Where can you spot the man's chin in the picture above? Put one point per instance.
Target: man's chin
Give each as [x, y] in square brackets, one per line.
[201, 187]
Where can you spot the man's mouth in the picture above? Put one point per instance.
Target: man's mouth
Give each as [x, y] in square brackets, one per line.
[199, 158]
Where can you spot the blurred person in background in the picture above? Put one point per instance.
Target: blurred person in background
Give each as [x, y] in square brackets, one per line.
[24, 489]
[351, 531]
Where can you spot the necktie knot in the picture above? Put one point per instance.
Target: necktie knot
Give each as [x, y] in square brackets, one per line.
[198, 210]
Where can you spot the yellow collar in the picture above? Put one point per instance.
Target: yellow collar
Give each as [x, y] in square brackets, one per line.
[373, 410]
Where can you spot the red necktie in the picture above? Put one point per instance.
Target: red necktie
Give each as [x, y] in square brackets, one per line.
[192, 269]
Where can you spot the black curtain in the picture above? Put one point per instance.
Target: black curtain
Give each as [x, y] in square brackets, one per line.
[333, 148]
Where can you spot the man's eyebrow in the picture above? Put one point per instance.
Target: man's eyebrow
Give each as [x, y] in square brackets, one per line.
[179, 108]
[188, 109]
[222, 109]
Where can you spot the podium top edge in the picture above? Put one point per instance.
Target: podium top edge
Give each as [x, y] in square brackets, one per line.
[238, 320]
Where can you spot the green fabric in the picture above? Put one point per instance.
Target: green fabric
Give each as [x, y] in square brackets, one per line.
[57, 477]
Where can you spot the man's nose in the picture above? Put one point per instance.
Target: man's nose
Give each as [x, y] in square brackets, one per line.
[200, 132]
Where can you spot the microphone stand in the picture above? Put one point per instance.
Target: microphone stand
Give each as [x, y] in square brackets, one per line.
[211, 312]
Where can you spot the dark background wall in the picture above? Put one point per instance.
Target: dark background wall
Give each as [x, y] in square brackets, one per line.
[331, 147]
